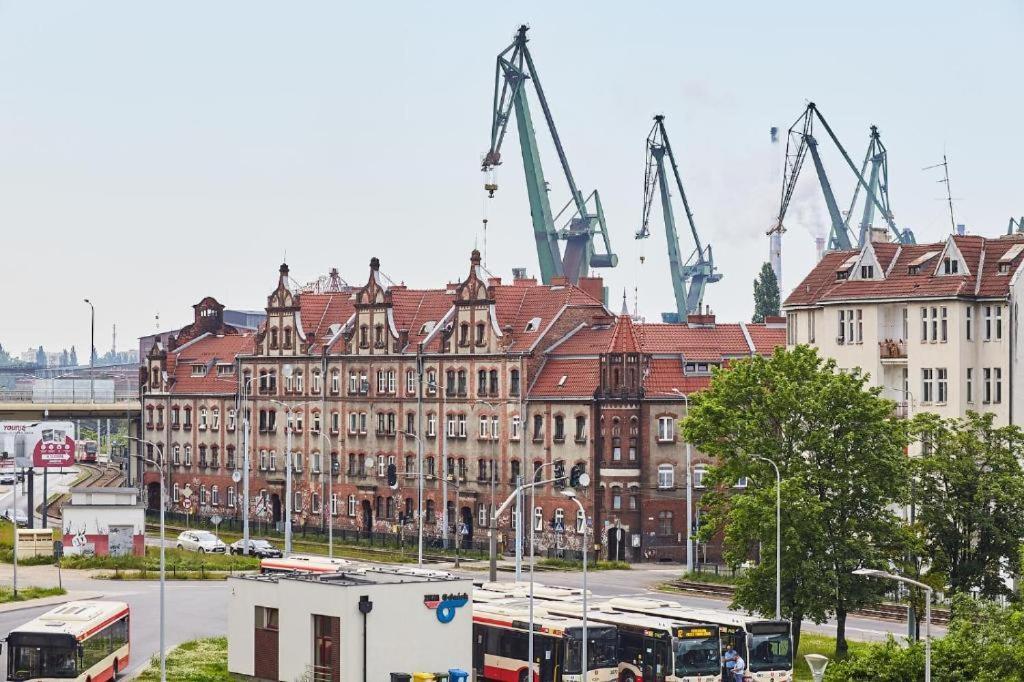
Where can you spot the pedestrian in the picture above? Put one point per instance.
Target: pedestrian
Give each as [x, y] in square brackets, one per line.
[739, 668]
[729, 661]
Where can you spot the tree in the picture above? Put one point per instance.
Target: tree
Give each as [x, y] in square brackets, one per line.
[840, 452]
[968, 494]
[766, 294]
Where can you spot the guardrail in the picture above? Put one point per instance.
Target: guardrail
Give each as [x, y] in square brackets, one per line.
[75, 396]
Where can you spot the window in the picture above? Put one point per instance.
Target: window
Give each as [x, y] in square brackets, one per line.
[462, 426]
[940, 384]
[997, 378]
[462, 382]
[482, 519]
[431, 382]
[867, 272]
[999, 321]
[665, 523]
[616, 449]
[950, 266]
[493, 376]
[450, 382]
[581, 519]
[480, 333]
[316, 462]
[791, 321]
[431, 425]
[362, 422]
[970, 384]
[351, 505]
[410, 381]
[382, 466]
[513, 384]
[353, 422]
[266, 618]
[494, 428]
[215, 496]
[841, 336]
[231, 496]
[666, 429]
[666, 476]
[741, 482]
[297, 461]
[188, 455]
[538, 518]
[924, 325]
[616, 498]
[464, 334]
[699, 472]
[987, 383]
[906, 323]
[450, 426]
[334, 504]
[335, 422]
[944, 328]
[316, 422]
[581, 429]
[969, 322]
[514, 428]
[860, 325]
[935, 324]
[353, 382]
[485, 427]
[317, 385]
[988, 323]
[336, 381]
[538, 427]
[559, 428]
[927, 385]
[314, 503]
[175, 492]
[298, 501]
[481, 382]
[176, 454]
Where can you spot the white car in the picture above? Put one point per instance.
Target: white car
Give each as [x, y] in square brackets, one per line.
[201, 541]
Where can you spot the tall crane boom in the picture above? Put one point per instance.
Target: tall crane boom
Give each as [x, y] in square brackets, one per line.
[586, 223]
[689, 279]
[802, 140]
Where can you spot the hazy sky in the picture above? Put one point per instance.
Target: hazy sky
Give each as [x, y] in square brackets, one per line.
[154, 154]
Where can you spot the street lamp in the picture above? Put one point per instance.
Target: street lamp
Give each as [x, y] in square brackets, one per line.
[875, 573]
[330, 488]
[286, 370]
[778, 536]
[159, 467]
[246, 440]
[419, 506]
[571, 494]
[689, 490]
[492, 532]
[92, 354]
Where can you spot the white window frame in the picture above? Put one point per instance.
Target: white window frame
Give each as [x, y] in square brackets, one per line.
[666, 429]
[666, 477]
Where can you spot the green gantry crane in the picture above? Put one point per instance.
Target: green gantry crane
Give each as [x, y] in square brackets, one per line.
[689, 279]
[876, 187]
[587, 223]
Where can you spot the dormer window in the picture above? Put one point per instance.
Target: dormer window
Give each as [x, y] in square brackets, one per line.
[364, 336]
[533, 325]
[464, 334]
[378, 336]
[427, 327]
[199, 370]
[480, 331]
[273, 337]
[287, 337]
[867, 272]
[842, 274]
[950, 266]
[1004, 268]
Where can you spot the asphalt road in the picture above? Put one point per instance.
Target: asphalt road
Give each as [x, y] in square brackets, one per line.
[56, 482]
[199, 609]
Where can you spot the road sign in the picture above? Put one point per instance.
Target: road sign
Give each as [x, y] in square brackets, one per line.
[236, 476]
[186, 503]
[215, 520]
[187, 492]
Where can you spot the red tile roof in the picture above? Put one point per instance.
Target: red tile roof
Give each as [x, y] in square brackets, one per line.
[319, 311]
[981, 278]
[208, 351]
[567, 378]
[515, 305]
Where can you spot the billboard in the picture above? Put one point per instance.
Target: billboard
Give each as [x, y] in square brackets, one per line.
[38, 444]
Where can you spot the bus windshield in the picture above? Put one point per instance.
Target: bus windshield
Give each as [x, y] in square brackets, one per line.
[770, 651]
[697, 656]
[601, 649]
[26, 662]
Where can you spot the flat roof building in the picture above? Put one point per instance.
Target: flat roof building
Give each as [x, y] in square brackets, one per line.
[357, 625]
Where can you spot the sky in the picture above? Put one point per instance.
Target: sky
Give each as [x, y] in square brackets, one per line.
[153, 154]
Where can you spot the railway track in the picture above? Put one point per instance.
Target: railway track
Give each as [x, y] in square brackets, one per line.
[93, 476]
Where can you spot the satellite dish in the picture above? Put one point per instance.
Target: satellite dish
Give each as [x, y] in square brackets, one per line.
[236, 476]
[584, 480]
[286, 371]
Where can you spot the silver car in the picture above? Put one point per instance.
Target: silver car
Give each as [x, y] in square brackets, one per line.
[202, 541]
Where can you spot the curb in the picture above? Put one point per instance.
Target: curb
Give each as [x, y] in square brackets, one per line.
[48, 601]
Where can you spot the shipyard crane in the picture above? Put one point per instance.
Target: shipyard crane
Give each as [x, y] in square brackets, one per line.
[586, 222]
[689, 279]
[1016, 225]
[801, 141]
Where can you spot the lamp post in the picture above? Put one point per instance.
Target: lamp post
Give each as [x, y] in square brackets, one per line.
[246, 440]
[689, 489]
[330, 490]
[533, 498]
[492, 531]
[92, 355]
[163, 498]
[778, 536]
[571, 494]
[875, 573]
[419, 505]
[289, 428]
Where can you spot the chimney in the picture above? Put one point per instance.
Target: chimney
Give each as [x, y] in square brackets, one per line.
[526, 282]
[594, 286]
[701, 319]
[819, 247]
[961, 229]
[879, 235]
[775, 321]
[518, 273]
[559, 281]
[494, 281]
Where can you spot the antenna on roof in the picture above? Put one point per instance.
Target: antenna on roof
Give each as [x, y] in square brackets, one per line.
[945, 180]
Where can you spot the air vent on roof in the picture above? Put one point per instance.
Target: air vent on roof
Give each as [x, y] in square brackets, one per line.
[561, 382]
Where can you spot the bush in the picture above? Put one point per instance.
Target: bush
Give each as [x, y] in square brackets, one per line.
[175, 560]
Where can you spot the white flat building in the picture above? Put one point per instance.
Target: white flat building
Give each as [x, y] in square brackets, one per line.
[936, 326]
[354, 626]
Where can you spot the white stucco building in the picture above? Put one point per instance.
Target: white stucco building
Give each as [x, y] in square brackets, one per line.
[936, 325]
[104, 521]
[359, 625]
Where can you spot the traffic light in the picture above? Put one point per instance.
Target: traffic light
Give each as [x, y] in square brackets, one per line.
[392, 476]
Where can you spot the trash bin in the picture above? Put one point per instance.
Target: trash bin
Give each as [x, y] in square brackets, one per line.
[423, 677]
[441, 677]
[456, 675]
[400, 677]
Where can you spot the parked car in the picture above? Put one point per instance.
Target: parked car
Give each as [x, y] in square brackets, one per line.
[18, 517]
[8, 478]
[201, 541]
[261, 548]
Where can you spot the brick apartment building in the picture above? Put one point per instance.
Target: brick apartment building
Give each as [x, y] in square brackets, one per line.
[486, 376]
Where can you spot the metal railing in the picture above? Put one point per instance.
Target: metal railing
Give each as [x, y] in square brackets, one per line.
[69, 395]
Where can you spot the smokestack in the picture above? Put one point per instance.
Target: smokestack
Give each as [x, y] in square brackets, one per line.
[775, 255]
[819, 246]
[775, 133]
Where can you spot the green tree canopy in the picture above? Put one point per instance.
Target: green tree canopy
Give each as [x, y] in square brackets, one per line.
[841, 455]
[766, 294]
[968, 495]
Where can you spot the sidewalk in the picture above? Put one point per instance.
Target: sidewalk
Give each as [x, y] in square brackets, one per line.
[48, 601]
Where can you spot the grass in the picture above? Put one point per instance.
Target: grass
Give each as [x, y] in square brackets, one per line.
[569, 565]
[200, 660]
[817, 644]
[27, 593]
[710, 578]
[175, 559]
[145, 574]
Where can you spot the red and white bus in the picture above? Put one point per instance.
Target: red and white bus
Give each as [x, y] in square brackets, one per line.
[501, 646]
[87, 450]
[306, 563]
[88, 641]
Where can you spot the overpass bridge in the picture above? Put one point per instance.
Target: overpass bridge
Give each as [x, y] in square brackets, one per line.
[34, 405]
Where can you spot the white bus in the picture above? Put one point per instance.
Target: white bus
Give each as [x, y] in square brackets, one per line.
[86, 641]
[501, 646]
[655, 649]
[766, 645]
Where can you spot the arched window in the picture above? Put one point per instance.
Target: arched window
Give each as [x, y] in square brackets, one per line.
[287, 337]
[188, 455]
[430, 518]
[480, 333]
[202, 495]
[616, 498]
[364, 342]
[462, 382]
[176, 454]
[666, 476]
[273, 337]
[494, 382]
[481, 382]
[379, 507]
[464, 334]
[215, 496]
[538, 518]
[431, 470]
[378, 336]
[390, 508]
[513, 382]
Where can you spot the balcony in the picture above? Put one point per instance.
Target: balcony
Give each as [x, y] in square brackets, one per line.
[892, 351]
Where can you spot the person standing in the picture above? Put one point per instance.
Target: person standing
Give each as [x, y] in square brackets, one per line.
[739, 668]
[729, 661]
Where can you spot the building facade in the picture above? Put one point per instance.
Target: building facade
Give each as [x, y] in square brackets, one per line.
[935, 325]
[486, 381]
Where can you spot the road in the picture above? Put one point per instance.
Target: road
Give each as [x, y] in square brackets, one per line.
[56, 483]
[199, 609]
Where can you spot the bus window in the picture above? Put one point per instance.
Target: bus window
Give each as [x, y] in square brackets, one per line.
[601, 649]
[697, 656]
[770, 651]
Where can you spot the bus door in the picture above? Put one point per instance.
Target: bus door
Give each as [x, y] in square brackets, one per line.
[656, 659]
[547, 655]
[479, 644]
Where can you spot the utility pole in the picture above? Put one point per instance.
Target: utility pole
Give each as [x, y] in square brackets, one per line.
[92, 357]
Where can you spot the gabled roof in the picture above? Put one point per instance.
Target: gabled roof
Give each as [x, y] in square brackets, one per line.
[517, 304]
[209, 351]
[319, 311]
[915, 271]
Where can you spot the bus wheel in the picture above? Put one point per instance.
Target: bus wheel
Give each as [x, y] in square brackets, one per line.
[627, 676]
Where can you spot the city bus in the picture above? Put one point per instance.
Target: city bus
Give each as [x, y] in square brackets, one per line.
[80, 640]
[766, 645]
[501, 646]
[655, 649]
